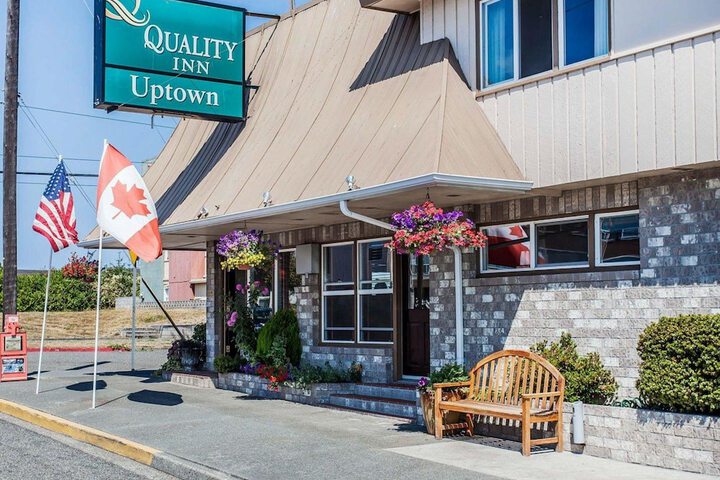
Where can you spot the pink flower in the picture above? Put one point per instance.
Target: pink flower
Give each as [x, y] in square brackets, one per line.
[240, 288]
[256, 283]
[265, 292]
[232, 320]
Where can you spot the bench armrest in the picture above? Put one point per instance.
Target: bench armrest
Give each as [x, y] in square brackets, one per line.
[440, 386]
[531, 396]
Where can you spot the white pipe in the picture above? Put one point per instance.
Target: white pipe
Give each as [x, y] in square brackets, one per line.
[578, 423]
[459, 324]
[362, 218]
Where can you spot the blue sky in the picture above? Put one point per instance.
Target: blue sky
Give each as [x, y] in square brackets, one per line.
[56, 72]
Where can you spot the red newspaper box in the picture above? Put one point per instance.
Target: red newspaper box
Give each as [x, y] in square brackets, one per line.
[13, 351]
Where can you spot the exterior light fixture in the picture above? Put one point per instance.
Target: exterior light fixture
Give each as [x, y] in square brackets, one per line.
[202, 213]
[267, 199]
[350, 179]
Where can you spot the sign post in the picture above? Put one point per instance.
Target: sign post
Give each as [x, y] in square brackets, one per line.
[13, 351]
[177, 57]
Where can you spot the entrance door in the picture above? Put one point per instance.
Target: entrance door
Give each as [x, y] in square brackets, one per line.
[415, 316]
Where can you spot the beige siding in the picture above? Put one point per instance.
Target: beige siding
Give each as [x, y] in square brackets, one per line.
[645, 111]
[454, 20]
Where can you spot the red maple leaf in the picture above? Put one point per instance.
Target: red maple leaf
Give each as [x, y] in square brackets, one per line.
[129, 202]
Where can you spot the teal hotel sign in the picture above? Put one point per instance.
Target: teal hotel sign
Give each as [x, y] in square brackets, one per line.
[178, 57]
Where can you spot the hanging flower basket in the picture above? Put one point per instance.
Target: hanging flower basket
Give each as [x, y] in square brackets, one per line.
[424, 229]
[244, 250]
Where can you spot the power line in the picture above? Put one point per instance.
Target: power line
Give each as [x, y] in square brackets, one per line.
[87, 115]
[47, 174]
[74, 159]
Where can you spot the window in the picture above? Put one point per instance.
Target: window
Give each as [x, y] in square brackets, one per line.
[375, 302]
[520, 39]
[338, 288]
[562, 243]
[584, 29]
[617, 239]
[357, 292]
[508, 247]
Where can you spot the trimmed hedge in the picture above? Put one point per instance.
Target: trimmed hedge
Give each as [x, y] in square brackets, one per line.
[680, 369]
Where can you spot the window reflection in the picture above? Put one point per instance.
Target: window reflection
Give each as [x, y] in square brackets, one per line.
[562, 243]
[508, 247]
[619, 239]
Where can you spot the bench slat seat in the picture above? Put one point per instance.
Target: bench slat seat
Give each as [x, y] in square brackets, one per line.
[510, 412]
[515, 385]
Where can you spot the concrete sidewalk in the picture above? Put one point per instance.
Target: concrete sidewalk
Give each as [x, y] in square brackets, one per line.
[271, 439]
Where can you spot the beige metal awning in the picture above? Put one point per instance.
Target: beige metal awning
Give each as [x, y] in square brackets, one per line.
[342, 91]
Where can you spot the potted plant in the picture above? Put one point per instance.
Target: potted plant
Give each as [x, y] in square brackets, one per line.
[244, 250]
[448, 373]
[424, 229]
[190, 352]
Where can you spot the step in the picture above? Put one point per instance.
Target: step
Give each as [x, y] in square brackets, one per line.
[384, 406]
[192, 379]
[386, 391]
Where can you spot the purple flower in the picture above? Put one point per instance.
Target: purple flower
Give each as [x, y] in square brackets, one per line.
[232, 320]
[256, 283]
[239, 287]
[422, 383]
[265, 292]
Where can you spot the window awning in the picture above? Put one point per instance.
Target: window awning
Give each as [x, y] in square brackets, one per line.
[342, 91]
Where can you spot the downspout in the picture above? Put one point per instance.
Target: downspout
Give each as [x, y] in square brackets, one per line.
[459, 326]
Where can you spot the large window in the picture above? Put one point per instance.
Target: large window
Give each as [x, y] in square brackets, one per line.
[563, 243]
[375, 292]
[520, 38]
[618, 240]
[357, 288]
[338, 288]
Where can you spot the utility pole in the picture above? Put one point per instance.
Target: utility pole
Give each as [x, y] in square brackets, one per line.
[10, 160]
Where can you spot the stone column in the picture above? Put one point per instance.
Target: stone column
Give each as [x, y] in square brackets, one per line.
[213, 309]
[308, 312]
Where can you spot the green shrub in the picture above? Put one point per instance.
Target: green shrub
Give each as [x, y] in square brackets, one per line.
[307, 375]
[283, 324]
[225, 364]
[586, 379]
[452, 372]
[680, 368]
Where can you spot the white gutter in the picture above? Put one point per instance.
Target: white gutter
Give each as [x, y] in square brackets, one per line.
[422, 181]
[457, 253]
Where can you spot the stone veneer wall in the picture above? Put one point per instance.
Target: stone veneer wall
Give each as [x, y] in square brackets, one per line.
[605, 311]
[215, 326]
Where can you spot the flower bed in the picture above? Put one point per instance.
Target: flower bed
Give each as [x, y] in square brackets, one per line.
[315, 394]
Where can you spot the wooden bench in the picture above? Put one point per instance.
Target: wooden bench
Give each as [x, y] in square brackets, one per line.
[513, 385]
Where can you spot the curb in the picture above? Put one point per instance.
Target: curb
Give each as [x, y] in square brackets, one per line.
[164, 462]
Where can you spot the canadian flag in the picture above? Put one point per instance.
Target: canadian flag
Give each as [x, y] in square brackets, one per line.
[124, 207]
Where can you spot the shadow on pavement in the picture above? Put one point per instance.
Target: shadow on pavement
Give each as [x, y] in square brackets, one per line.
[148, 375]
[86, 386]
[154, 397]
[82, 367]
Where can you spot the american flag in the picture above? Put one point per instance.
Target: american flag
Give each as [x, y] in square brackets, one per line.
[55, 217]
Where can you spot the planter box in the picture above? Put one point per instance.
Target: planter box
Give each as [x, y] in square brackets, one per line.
[671, 440]
[316, 394]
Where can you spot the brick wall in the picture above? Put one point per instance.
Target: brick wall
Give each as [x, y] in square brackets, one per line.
[605, 311]
[680, 228]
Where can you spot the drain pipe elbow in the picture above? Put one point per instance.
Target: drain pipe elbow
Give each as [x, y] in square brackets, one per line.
[363, 218]
[459, 324]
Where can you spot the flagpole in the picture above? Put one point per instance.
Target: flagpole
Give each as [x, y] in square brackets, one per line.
[97, 318]
[134, 312]
[45, 311]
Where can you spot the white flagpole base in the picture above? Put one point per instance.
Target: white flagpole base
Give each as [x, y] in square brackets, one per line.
[42, 335]
[97, 319]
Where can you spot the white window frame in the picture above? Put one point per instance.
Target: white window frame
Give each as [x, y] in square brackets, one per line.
[533, 246]
[276, 280]
[598, 238]
[361, 292]
[484, 43]
[334, 293]
[485, 250]
[561, 36]
[560, 39]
